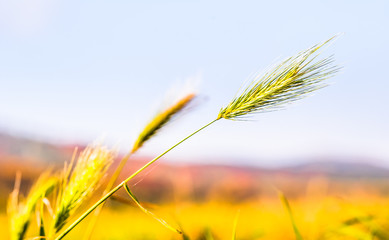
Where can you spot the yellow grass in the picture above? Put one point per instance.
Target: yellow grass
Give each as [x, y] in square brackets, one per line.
[263, 219]
[318, 217]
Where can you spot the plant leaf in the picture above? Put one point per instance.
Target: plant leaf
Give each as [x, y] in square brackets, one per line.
[163, 222]
[285, 202]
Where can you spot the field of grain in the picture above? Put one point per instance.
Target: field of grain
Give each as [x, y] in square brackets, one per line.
[207, 201]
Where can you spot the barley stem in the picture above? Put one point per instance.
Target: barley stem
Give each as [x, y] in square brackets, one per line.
[109, 186]
[162, 154]
[115, 189]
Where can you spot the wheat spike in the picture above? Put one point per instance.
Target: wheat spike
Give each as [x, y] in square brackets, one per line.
[161, 119]
[286, 82]
[78, 184]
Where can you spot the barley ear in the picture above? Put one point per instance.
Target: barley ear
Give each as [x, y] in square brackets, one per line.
[286, 82]
[78, 184]
[160, 120]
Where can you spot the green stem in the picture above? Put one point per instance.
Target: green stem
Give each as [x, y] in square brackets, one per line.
[162, 154]
[115, 189]
[109, 186]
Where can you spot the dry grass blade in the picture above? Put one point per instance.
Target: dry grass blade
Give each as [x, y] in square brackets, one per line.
[285, 202]
[284, 83]
[78, 184]
[161, 119]
[235, 225]
[361, 227]
[163, 222]
[21, 211]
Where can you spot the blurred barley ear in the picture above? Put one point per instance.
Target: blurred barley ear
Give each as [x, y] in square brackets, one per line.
[78, 182]
[160, 120]
[286, 82]
[20, 210]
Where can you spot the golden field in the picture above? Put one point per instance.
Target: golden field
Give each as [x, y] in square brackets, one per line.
[204, 202]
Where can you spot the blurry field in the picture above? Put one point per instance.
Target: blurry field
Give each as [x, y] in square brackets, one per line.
[358, 217]
[204, 201]
[324, 218]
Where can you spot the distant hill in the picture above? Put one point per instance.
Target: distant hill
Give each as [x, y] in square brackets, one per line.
[18, 150]
[196, 181]
[29, 149]
[343, 169]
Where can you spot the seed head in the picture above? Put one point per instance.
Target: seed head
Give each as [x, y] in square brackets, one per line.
[78, 184]
[160, 120]
[286, 82]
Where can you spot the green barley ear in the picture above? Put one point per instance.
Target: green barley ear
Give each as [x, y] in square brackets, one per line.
[78, 184]
[160, 120]
[21, 211]
[286, 82]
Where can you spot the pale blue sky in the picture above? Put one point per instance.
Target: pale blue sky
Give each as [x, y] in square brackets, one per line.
[74, 71]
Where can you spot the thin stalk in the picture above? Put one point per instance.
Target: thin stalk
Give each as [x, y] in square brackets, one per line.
[109, 186]
[115, 189]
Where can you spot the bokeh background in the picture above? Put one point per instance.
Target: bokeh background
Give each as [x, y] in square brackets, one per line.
[72, 72]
